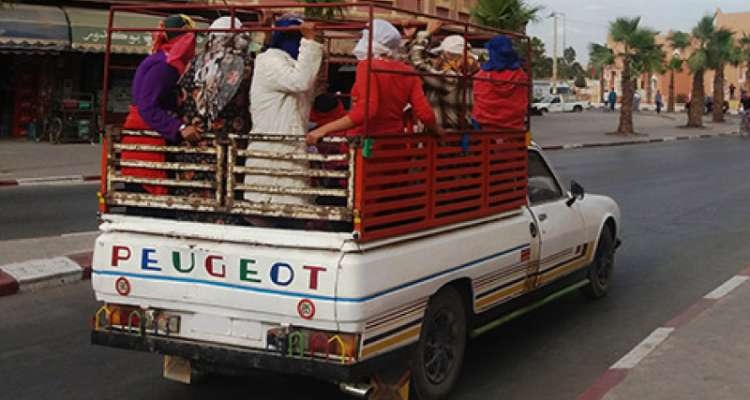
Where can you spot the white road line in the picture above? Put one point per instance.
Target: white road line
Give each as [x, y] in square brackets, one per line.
[726, 287]
[643, 348]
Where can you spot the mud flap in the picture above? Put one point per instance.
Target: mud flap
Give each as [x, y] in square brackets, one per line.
[178, 369]
[390, 386]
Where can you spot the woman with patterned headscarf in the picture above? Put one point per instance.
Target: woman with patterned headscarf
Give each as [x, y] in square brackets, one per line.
[155, 102]
[214, 94]
[281, 97]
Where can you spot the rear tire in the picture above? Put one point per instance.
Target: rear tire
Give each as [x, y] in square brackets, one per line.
[577, 109]
[600, 270]
[440, 351]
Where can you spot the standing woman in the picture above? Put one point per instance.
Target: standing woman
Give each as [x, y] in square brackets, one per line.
[390, 93]
[155, 100]
[214, 96]
[281, 97]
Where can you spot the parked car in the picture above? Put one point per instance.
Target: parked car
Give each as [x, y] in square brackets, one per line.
[557, 103]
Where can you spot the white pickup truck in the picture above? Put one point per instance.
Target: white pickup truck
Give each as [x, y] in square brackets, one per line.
[223, 298]
[559, 103]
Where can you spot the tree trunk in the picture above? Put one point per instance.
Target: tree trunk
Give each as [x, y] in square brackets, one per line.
[747, 77]
[649, 89]
[601, 86]
[670, 104]
[626, 109]
[695, 115]
[718, 111]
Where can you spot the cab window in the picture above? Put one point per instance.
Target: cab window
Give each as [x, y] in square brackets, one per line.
[543, 186]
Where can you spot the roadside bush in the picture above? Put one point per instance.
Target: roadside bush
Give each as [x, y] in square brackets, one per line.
[681, 98]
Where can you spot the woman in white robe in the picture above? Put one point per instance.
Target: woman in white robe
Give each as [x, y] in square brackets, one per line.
[281, 96]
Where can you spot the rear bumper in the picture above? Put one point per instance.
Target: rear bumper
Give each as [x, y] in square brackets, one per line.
[238, 359]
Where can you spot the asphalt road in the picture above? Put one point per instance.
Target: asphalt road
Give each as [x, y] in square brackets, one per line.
[686, 227]
[34, 211]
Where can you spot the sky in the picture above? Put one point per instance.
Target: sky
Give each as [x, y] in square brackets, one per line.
[587, 20]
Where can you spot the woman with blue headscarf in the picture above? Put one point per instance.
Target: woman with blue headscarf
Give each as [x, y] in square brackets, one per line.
[281, 97]
[501, 88]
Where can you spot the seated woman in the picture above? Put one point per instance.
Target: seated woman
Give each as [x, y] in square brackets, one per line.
[502, 104]
[155, 102]
[281, 95]
[389, 93]
[214, 96]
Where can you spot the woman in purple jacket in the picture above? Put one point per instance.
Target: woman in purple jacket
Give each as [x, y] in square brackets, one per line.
[155, 100]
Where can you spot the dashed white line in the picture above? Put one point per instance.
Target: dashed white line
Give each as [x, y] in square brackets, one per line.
[643, 348]
[726, 287]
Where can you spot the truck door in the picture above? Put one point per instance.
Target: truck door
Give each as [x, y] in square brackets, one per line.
[556, 104]
[560, 226]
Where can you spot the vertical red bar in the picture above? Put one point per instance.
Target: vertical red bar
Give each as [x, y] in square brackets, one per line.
[104, 103]
[431, 184]
[369, 70]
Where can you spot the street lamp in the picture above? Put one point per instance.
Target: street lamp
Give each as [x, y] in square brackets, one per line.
[554, 16]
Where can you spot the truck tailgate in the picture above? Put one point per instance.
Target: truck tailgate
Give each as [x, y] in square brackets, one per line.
[255, 282]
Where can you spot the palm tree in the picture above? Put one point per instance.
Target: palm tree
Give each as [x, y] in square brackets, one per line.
[698, 63]
[744, 44]
[512, 15]
[639, 52]
[721, 50]
[600, 57]
[678, 41]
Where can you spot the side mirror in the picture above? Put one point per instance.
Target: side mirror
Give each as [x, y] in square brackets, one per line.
[577, 191]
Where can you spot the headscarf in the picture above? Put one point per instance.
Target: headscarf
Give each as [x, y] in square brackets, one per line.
[289, 41]
[219, 69]
[178, 46]
[502, 56]
[386, 41]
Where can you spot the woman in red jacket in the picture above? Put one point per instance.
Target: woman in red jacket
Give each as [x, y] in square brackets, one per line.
[389, 93]
[501, 104]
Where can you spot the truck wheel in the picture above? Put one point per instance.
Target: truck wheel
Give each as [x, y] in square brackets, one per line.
[577, 109]
[544, 111]
[440, 350]
[600, 270]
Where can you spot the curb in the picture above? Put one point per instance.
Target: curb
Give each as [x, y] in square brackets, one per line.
[635, 141]
[51, 180]
[617, 373]
[46, 272]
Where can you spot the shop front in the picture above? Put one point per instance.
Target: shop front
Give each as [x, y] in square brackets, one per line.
[51, 63]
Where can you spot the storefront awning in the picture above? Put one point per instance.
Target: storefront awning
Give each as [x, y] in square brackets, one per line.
[31, 28]
[88, 31]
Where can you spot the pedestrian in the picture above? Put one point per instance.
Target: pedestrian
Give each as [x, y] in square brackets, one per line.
[745, 120]
[281, 98]
[636, 101]
[214, 95]
[445, 64]
[732, 89]
[500, 91]
[390, 93]
[155, 101]
[612, 99]
[659, 102]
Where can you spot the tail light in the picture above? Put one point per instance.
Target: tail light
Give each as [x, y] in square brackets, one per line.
[129, 318]
[309, 343]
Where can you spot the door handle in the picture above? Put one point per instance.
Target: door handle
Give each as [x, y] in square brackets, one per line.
[542, 217]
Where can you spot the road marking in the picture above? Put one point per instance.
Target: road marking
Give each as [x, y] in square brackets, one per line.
[643, 348]
[726, 287]
[50, 180]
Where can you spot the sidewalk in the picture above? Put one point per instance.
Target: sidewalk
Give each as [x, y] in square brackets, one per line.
[703, 353]
[24, 162]
[595, 128]
[30, 264]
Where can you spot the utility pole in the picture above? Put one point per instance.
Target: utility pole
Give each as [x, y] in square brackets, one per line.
[554, 54]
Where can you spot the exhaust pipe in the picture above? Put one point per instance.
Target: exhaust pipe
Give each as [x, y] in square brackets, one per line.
[358, 390]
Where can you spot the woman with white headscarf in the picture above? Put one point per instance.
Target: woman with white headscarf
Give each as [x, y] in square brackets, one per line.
[389, 93]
